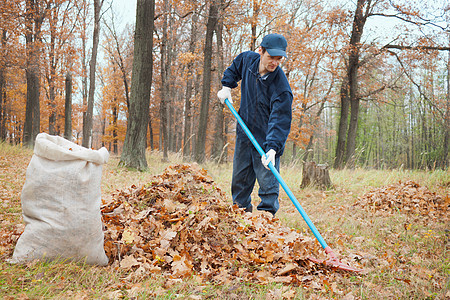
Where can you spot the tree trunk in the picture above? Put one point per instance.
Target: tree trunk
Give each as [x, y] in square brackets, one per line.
[220, 138]
[52, 107]
[34, 21]
[2, 106]
[352, 132]
[189, 88]
[169, 90]
[206, 89]
[84, 75]
[316, 175]
[133, 154]
[352, 93]
[309, 148]
[164, 86]
[254, 23]
[151, 133]
[52, 73]
[343, 125]
[88, 121]
[444, 163]
[294, 151]
[68, 108]
[32, 111]
[114, 121]
[3, 114]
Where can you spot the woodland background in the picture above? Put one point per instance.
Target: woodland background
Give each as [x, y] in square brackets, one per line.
[373, 96]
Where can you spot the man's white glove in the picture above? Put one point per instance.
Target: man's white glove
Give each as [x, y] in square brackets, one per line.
[269, 157]
[224, 93]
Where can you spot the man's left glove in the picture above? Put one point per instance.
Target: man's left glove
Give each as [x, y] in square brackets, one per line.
[267, 158]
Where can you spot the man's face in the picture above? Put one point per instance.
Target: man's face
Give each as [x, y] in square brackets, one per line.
[268, 63]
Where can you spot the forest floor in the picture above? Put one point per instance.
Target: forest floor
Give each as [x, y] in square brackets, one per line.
[172, 233]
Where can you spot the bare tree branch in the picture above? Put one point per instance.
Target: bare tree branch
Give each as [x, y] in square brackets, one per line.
[402, 47]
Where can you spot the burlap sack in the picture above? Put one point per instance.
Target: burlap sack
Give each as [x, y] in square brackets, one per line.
[61, 201]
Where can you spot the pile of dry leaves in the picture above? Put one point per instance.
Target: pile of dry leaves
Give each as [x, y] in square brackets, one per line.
[407, 197]
[180, 225]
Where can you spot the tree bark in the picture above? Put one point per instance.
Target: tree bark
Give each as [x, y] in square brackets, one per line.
[343, 125]
[309, 148]
[3, 114]
[254, 23]
[150, 128]
[315, 175]
[220, 138]
[34, 18]
[52, 72]
[114, 123]
[206, 89]
[187, 137]
[84, 73]
[170, 92]
[351, 94]
[68, 108]
[88, 121]
[444, 163]
[133, 154]
[164, 86]
[353, 65]
[2, 105]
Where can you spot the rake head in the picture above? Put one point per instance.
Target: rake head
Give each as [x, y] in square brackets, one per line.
[334, 262]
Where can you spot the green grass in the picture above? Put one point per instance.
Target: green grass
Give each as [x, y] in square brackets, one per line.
[404, 257]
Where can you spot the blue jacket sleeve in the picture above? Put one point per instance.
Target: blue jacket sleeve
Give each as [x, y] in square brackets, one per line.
[279, 124]
[233, 74]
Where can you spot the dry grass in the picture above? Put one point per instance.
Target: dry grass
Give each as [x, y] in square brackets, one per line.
[404, 258]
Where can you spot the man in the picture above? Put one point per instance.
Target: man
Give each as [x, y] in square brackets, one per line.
[266, 108]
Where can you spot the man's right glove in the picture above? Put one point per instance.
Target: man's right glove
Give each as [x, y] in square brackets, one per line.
[224, 93]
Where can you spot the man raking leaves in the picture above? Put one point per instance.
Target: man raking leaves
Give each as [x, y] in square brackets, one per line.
[266, 108]
[266, 101]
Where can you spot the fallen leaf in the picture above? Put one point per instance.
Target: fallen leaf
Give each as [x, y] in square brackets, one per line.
[288, 268]
[128, 236]
[128, 262]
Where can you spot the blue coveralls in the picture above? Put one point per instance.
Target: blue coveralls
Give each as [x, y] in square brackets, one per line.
[266, 108]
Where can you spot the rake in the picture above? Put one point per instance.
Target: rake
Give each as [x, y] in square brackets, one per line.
[333, 261]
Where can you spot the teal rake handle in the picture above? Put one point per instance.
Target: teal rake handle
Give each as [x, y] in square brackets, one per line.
[278, 176]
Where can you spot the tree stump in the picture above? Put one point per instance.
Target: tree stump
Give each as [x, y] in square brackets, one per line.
[315, 174]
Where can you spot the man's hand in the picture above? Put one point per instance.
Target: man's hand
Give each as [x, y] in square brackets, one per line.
[224, 93]
[269, 157]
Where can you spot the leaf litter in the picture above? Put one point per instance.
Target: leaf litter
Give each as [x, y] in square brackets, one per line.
[130, 221]
[409, 198]
[180, 225]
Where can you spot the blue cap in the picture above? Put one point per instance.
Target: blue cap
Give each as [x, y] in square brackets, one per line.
[275, 44]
